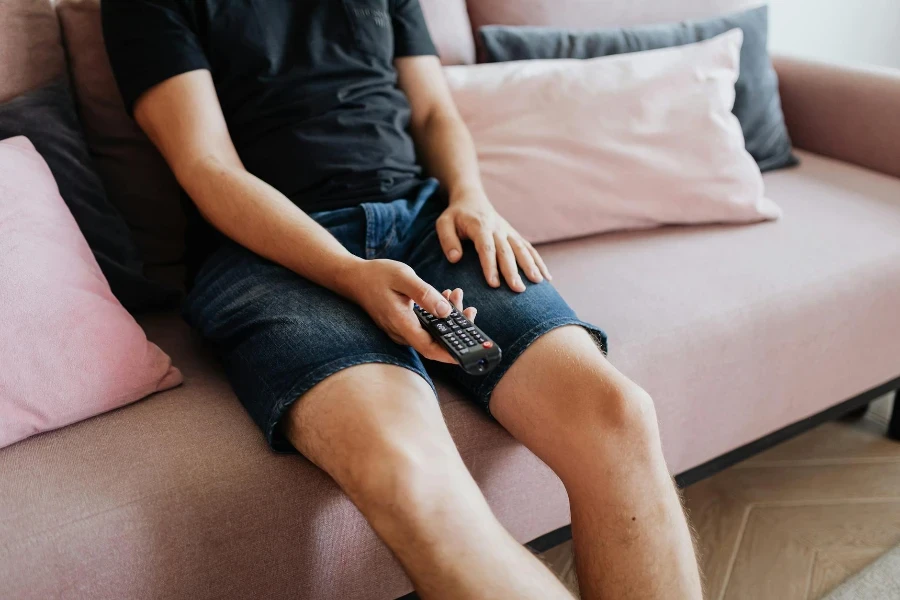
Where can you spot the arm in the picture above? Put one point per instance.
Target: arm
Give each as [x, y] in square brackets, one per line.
[847, 113]
[183, 118]
[448, 152]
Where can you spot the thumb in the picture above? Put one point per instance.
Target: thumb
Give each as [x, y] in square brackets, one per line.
[413, 287]
[446, 230]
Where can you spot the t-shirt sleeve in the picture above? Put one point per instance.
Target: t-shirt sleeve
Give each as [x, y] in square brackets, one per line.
[149, 41]
[411, 37]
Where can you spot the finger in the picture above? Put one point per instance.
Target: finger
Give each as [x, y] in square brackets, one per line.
[487, 254]
[446, 230]
[413, 287]
[456, 299]
[525, 259]
[414, 335]
[506, 259]
[539, 261]
[470, 313]
[446, 294]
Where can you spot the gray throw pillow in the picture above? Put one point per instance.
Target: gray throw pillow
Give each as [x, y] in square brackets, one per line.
[47, 117]
[757, 105]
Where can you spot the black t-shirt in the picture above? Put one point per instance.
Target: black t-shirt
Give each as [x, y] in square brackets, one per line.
[307, 87]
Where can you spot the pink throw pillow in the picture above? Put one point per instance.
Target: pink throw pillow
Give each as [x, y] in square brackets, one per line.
[68, 349]
[569, 148]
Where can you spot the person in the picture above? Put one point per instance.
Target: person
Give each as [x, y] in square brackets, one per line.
[334, 186]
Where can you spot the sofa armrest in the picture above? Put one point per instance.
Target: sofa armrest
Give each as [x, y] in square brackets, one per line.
[848, 113]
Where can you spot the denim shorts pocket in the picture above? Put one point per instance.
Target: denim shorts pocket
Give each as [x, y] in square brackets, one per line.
[370, 21]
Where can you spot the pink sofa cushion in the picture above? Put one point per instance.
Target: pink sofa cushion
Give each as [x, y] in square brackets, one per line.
[569, 148]
[593, 13]
[451, 30]
[68, 349]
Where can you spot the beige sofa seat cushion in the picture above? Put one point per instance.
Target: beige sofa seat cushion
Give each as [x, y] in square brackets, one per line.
[31, 53]
[739, 331]
[179, 497]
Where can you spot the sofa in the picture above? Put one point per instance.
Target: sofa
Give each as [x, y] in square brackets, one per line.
[743, 335]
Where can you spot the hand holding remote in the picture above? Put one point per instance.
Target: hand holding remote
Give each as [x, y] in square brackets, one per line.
[387, 291]
[470, 347]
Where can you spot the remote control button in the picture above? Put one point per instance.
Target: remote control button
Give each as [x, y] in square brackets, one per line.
[463, 351]
[470, 329]
[441, 327]
[450, 336]
[470, 343]
[488, 344]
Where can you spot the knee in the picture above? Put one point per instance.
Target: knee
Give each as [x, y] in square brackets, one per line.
[619, 416]
[404, 477]
[628, 409]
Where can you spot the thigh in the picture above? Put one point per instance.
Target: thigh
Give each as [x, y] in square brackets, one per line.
[279, 335]
[363, 422]
[514, 320]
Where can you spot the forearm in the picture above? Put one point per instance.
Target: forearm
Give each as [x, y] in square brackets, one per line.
[448, 153]
[257, 216]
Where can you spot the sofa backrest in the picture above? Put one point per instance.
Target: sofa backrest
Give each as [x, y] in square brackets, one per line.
[596, 13]
[449, 24]
[31, 53]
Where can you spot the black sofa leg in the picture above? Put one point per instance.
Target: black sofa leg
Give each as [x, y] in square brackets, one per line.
[857, 414]
[894, 425]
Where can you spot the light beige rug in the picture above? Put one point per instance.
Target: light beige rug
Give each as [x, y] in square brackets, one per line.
[878, 581]
[817, 514]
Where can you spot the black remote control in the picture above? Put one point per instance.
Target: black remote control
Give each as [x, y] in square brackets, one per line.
[475, 352]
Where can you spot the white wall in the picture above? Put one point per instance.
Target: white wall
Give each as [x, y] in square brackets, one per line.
[848, 31]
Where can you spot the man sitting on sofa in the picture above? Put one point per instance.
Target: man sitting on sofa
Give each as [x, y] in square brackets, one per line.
[291, 126]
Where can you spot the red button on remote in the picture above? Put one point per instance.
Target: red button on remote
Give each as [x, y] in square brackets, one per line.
[488, 344]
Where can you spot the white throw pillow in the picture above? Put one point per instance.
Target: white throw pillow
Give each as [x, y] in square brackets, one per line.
[575, 147]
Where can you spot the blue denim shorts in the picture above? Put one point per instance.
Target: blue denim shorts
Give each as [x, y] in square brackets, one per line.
[279, 334]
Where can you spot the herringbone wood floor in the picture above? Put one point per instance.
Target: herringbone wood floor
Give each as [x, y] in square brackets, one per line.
[795, 521]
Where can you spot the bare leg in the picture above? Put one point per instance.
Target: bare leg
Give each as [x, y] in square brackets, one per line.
[597, 430]
[378, 431]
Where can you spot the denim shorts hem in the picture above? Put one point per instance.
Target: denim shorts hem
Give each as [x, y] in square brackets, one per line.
[277, 441]
[514, 351]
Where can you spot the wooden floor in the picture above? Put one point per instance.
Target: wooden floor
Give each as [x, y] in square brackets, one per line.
[795, 521]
